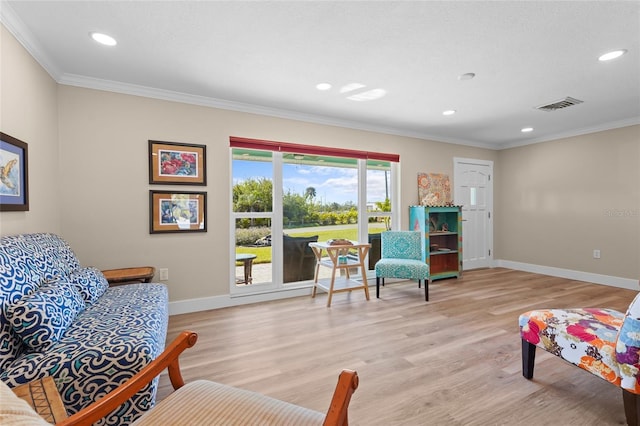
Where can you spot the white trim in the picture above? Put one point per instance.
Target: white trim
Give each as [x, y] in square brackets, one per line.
[396, 197]
[589, 277]
[168, 95]
[19, 30]
[226, 301]
[572, 133]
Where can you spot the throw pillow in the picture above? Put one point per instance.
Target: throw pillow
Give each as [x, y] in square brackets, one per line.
[90, 282]
[42, 317]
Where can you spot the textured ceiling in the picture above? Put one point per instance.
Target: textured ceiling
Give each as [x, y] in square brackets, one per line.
[267, 57]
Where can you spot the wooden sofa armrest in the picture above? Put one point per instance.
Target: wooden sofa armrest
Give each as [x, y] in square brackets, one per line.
[338, 410]
[167, 359]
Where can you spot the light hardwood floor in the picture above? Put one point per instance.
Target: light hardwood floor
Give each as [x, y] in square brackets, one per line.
[454, 360]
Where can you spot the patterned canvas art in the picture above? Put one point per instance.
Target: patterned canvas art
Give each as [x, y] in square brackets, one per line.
[434, 189]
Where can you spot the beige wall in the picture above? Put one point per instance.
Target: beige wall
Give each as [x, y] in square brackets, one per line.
[558, 201]
[29, 112]
[104, 177]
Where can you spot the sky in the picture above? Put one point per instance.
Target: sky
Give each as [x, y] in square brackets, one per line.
[332, 184]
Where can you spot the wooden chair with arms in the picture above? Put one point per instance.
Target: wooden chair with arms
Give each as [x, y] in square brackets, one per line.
[211, 403]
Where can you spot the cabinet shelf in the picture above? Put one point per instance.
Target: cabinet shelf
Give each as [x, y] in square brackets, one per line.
[441, 252]
[430, 221]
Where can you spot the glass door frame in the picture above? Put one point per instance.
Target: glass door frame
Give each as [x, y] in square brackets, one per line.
[277, 228]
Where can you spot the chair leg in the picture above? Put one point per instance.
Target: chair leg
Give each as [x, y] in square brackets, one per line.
[631, 407]
[377, 287]
[426, 290]
[528, 358]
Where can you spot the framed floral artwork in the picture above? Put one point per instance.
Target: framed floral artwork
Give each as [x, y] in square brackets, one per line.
[171, 211]
[177, 163]
[14, 176]
[434, 189]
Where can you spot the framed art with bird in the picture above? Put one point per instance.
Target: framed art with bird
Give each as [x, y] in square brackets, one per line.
[14, 176]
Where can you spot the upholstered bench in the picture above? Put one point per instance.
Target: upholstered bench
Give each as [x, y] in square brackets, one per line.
[604, 342]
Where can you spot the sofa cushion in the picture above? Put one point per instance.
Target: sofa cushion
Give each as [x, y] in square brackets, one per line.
[90, 283]
[204, 402]
[26, 261]
[42, 317]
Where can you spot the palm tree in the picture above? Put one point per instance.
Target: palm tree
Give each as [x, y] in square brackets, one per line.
[310, 192]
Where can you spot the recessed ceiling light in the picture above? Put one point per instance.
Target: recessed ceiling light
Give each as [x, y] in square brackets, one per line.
[323, 86]
[526, 129]
[467, 76]
[103, 39]
[369, 95]
[351, 87]
[612, 55]
[449, 112]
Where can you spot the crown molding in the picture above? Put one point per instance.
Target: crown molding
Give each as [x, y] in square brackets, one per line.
[576, 132]
[168, 95]
[19, 30]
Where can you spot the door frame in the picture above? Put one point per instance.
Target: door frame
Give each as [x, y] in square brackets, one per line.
[457, 162]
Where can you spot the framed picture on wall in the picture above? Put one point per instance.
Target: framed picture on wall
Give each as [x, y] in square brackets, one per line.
[171, 211]
[177, 163]
[14, 175]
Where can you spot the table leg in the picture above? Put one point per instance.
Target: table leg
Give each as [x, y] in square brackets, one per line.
[362, 254]
[248, 263]
[333, 279]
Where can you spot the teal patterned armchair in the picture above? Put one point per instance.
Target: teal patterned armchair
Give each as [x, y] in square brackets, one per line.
[403, 257]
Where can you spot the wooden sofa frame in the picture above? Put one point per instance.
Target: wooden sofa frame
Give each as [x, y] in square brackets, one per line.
[337, 415]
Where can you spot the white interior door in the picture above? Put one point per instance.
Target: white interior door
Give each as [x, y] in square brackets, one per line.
[473, 189]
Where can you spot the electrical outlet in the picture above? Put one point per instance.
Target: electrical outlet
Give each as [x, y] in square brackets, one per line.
[164, 274]
[596, 254]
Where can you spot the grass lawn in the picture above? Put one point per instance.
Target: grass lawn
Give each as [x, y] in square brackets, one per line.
[264, 253]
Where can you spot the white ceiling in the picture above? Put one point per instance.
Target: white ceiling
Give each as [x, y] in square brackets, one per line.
[267, 57]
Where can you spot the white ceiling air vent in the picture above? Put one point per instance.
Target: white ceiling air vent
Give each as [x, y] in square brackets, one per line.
[560, 104]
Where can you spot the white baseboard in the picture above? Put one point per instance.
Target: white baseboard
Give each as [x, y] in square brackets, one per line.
[627, 283]
[225, 301]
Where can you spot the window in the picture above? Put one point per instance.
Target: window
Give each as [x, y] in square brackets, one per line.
[301, 193]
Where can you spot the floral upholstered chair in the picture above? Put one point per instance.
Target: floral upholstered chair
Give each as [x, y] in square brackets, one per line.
[604, 342]
[402, 256]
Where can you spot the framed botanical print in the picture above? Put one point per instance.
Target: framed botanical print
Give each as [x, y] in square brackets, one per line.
[177, 163]
[173, 211]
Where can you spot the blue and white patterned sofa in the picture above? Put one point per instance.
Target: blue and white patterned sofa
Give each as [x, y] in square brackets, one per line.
[62, 320]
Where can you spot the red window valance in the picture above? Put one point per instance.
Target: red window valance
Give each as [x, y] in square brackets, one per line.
[238, 142]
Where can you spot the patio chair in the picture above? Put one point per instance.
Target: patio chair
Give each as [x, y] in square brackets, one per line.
[298, 259]
[402, 257]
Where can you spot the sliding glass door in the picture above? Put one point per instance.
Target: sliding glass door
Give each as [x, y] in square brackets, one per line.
[283, 200]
